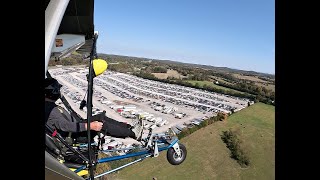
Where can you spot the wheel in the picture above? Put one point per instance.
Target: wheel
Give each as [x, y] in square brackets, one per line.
[173, 157]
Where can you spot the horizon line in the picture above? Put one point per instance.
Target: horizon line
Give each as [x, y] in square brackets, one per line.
[191, 63]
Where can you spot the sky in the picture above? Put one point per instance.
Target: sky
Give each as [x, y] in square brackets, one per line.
[238, 34]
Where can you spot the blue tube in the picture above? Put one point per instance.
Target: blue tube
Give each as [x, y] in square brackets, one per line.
[122, 157]
[113, 170]
[114, 158]
[80, 169]
[168, 147]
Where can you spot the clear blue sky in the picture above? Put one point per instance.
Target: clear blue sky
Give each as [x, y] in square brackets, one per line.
[226, 33]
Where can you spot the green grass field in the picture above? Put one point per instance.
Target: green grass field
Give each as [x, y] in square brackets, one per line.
[208, 83]
[209, 158]
[256, 126]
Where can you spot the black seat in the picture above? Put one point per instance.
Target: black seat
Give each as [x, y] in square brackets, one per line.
[51, 146]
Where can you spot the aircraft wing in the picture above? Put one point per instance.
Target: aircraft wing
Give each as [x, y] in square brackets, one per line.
[77, 20]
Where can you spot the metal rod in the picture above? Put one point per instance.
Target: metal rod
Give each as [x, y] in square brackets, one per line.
[114, 158]
[89, 105]
[79, 169]
[113, 170]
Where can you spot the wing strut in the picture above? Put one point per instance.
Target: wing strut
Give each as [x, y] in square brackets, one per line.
[90, 77]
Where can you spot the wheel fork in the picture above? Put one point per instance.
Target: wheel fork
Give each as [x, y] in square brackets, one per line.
[177, 149]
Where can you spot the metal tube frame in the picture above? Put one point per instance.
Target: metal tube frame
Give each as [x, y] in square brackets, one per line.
[146, 154]
[121, 167]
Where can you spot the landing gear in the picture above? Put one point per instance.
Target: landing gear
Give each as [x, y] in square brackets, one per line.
[177, 154]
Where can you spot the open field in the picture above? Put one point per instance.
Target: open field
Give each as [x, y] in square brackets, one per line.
[257, 129]
[170, 72]
[219, 79]
[268, 86]
[251, 78]
[208, 83]
[258, 82]
[209, 158]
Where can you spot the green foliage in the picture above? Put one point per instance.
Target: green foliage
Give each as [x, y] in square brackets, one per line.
[197, 85]
[159, 69]
[146, 75]
[121, 67]
[233, 144]
[199, 77]
[73, 59]
[225, 76]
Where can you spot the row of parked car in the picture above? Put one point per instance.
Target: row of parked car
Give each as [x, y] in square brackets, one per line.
[201, 100]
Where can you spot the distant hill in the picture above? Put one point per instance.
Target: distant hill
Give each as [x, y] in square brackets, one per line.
[209, 67]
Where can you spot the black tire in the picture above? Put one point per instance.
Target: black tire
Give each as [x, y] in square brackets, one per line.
[173, 158]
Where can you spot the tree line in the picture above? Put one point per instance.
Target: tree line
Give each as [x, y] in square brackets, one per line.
[252, 97]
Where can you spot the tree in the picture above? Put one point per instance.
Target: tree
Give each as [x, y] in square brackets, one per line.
[222, 116]
[205, 86]
[159, 69]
